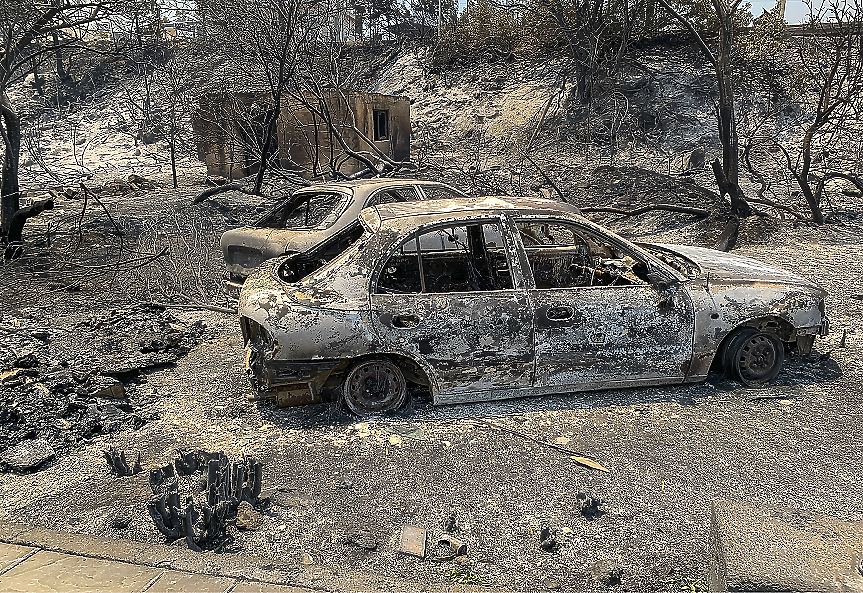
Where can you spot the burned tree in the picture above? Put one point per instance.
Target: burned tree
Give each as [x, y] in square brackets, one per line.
[815, 83]
[831, 57]
[727, 172]
[28, 35]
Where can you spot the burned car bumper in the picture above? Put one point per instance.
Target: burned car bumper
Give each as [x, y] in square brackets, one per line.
[288, 382]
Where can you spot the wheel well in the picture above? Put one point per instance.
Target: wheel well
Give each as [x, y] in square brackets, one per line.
[413, 372]
[775, 325]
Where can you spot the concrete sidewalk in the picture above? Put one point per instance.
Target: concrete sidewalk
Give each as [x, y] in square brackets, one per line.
[34, 558]
[28, 568]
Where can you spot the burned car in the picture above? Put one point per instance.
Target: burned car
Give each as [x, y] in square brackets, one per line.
[317, 223]
[490, 298]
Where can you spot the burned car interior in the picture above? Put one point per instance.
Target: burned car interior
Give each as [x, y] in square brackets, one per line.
[303, 264]
[472, 258]
[466, 258]
[564, 256]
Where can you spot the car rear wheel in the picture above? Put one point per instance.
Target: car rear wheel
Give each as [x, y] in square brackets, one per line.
[375, 385]
[753, 357]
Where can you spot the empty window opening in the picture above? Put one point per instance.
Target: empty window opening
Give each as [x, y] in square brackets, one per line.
[464, 258]
[382, 124]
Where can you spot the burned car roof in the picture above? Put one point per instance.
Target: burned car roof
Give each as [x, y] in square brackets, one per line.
[472, 204]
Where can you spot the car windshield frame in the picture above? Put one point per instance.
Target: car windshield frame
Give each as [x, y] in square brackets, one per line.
[297, 199]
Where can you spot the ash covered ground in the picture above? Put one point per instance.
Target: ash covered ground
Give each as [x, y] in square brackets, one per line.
[340, 489]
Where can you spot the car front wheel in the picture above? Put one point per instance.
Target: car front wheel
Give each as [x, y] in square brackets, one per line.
[753, 357]
[375, 385]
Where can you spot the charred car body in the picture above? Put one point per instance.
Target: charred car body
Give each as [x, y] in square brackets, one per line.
[317, 223]
[491, 298]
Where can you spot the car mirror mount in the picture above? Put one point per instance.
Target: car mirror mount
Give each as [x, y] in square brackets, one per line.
[662, 283]
[666, 288]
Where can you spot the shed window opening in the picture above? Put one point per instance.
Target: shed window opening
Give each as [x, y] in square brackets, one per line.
[381, 119]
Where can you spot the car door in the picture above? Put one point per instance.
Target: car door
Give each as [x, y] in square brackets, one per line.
[599, 319]
[449, 299]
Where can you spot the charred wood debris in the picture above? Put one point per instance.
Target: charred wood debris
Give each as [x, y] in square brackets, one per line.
[61, 387]
[218, 492]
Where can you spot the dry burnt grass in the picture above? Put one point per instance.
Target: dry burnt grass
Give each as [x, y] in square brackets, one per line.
[341, 490]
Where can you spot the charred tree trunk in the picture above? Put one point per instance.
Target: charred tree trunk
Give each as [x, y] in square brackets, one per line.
[58, 58]
[10, 196]
[725, 109]
[802, 178]
[16, 225]
[727, 174]
[172, 144]
[739, 205]
[270, 131]
[277, 85]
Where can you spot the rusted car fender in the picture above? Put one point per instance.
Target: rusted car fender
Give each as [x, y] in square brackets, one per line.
[722, 308]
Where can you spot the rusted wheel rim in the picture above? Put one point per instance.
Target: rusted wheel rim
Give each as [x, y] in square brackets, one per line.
[375, 386]
[758, 358]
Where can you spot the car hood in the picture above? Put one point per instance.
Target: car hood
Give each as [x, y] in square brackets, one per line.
[736, 269]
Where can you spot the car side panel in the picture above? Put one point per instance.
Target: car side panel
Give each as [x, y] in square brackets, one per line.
[721, 307]
[614, 333]
[473, 342]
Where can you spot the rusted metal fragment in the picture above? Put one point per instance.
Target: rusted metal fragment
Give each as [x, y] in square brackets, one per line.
[413, 541]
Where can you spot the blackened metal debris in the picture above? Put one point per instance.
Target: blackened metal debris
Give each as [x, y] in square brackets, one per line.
[587, 505]
[117, 462]
[547, 539]
[204, 516]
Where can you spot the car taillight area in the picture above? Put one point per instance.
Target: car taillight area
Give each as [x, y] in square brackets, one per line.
[259, 347]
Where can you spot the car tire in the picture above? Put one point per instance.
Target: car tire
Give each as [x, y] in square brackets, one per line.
[374, 385]
[753, 357]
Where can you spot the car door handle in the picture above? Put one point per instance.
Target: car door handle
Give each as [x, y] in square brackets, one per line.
[406, 321]
[559, 313]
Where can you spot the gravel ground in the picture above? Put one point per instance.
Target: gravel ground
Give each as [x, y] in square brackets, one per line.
[670, 451]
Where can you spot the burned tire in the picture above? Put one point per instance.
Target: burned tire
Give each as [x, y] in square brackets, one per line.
[374, 385]
[753, 357]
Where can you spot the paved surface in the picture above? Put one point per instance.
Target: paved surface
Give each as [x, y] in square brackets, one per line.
[28, 568]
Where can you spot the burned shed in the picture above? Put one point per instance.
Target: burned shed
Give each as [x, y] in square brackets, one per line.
[314, 135]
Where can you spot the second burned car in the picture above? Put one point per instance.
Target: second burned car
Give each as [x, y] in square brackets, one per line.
[490, 298]
[317, 223]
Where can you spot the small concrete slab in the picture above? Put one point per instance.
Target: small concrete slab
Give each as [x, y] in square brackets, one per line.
[172, 581]
[11, 554]
[50, 571]
[763, 548]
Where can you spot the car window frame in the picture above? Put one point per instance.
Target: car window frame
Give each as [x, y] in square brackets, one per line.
[368, 201]
[509, 247]
[343, 206]
[422, 188]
